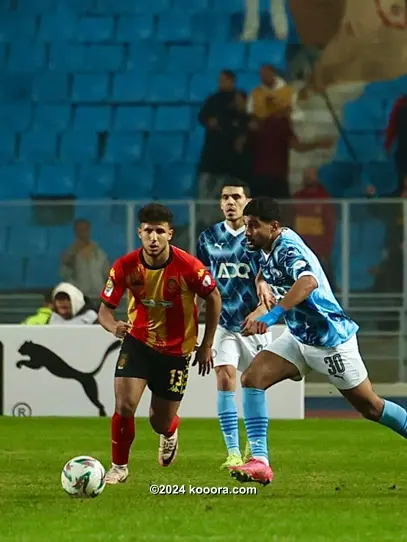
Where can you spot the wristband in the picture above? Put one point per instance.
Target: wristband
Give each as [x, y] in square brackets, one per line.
[273, 316]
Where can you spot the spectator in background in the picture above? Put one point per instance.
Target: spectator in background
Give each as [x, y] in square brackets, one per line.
[43, 314]
[71, 306]
[397, 132]
[278, 16]
[314, 222]
[84, 263]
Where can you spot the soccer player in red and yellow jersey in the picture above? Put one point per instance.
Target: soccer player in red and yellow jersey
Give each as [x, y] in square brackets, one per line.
[160, 335]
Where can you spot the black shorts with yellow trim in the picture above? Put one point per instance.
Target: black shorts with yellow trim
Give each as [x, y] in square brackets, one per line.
[166, 375]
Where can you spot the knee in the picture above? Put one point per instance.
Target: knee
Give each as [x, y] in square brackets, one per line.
[372, 410]
[251, 379]
[226, 377]
[159, 425]
[125, 407]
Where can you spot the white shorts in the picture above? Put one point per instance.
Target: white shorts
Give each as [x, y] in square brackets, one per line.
[342, 364]
[231, 348]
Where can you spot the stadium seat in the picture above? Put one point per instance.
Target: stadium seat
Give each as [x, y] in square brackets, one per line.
[137, 118]
[90, 88]
[38, 147]
[56, 180]
[67, 58]
[78, 147]
[153, 6]
[232, 55]
[14, 214]
[94, 29]
[167, 88]
[132, 7]
[17, 182]
[60, 237]
[174, 27]
[17, 24]
[124, 147]
[3, 239]
[186, 58]
[267, 52]
[50, 87]
[134, 182]
[79, 6]
[191, 6]
[195, 144]
[166, 148]
[26, 57]
[103, 58]
[57, 26]
[175, 182]
[130, 87]
[15, 117]
[228, 6]
[170, 118]
[211, 24]
[92, 118]
[112, 240]
[96, 214]
[146, 57]
[54, 118]
[7, 145]
[11, 275]
[3, 54]
[21, 244]
[39, 6]
[202, 86]
[137, 28]
[95, 182]
[43, 273]
[248, 81]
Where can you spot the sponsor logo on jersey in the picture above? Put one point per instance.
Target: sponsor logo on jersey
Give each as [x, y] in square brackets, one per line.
[109, 287]
[152, 303]
[233, 271]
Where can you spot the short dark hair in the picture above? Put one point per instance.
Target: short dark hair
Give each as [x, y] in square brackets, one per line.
[62, 296]
[237, 182]
[155, 212]
[264, 208]
[229, 74]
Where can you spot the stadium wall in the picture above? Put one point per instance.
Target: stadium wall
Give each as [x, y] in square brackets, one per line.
[68, 371]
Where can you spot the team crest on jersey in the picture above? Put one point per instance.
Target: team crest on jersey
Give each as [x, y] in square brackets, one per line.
[172, 284]
[122, 361]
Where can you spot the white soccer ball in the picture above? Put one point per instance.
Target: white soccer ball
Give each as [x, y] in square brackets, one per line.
[83, 476]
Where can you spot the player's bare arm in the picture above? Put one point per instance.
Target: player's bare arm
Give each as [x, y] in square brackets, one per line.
[204, 354]
[264, 292]
[251, 318]
[107, 320]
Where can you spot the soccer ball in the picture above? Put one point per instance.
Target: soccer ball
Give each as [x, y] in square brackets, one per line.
[83, 476]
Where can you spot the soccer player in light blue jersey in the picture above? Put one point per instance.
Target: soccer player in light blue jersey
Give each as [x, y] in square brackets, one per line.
[223, 249]
[319, 336]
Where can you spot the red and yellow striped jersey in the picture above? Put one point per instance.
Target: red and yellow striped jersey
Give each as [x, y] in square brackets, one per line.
[162, 304]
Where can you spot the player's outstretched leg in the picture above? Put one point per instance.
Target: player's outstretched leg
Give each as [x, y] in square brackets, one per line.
[227, 414]
[128, 393]
[374, 408]
[266, 369]
[165, 421]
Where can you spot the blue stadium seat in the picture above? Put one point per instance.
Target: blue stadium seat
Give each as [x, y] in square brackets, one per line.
[56, 181]
[96, 214]
[78, 146]
[79, 6]
[11, 275]
[92, 118]
[3, 240]
[166, 148]
[15, 117]
[94, 29]
[38, 147]
[137, 28]
[7, 145]
[228, 6]
[267, 52]
[103, 58]
[137, 118]
[181, 215]
[168, 88]
[175, 182]
[54, 118]
[215, 25]
[57, 26]
[15, 215]
[16, 24]
[60, 237]
[39, 6]
[21, 244]
[185, 58]
[113, 240]
[202, 85]
[3, 54]
[134, 182]
[67, 58]
[191, 6]
[132, 7]
[152, 6]
[90, 88]
[16, 182]
[50, 87]
[43, 272]
[248, 81]
[232, 55]
[170, 118]
[26, 57]
[174, 26]
[130, 87]
[95, 182]
[147, 57]
[195, 143]
[124, 147]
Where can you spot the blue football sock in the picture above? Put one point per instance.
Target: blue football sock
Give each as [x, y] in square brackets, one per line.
[395, 417]
[256, 421]
[228, 419]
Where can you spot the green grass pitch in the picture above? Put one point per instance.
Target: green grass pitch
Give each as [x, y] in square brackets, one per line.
[335, 480]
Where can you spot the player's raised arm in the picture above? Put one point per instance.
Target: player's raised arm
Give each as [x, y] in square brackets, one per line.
[111, 296]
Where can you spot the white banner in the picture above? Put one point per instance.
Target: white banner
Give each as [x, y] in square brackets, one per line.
[69, 371]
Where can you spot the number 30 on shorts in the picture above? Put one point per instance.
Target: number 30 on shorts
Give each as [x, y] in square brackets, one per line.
[335, 364]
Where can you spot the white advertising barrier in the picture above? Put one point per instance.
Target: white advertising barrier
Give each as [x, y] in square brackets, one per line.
[68, 371]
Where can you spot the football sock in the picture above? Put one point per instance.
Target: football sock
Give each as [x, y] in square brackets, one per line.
[395, 417]
[256, 422]
[173, 427]
[228, 420]
[122, 438]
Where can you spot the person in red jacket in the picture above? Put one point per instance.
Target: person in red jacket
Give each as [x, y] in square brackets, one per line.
[315, 222]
